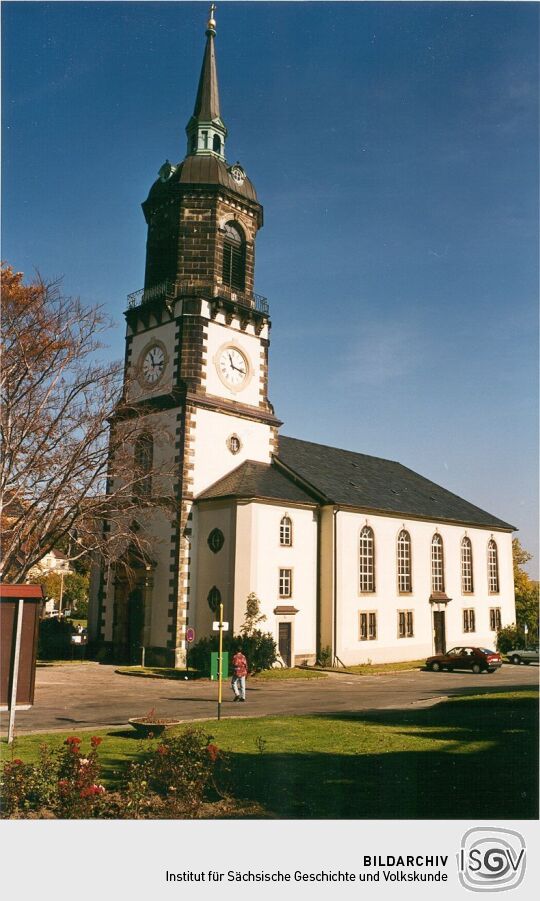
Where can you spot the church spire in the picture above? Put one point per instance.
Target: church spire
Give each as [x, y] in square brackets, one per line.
[206, 130]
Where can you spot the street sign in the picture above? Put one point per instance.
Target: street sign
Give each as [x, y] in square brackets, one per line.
[190, 634]
[217, 626]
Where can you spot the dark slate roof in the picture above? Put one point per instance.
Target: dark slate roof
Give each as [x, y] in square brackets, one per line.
[259, 480]
[357, 480]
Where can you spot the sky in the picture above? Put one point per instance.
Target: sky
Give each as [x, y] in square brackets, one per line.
[394, 147]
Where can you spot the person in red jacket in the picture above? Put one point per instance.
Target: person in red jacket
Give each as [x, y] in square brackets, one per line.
[240, 671]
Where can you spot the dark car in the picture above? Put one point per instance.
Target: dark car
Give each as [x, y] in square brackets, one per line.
[476, 659]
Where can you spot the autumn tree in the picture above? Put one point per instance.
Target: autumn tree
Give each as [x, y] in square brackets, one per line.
[56, 399]
[526, 591]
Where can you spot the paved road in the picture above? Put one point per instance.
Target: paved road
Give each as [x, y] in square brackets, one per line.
[91, 695]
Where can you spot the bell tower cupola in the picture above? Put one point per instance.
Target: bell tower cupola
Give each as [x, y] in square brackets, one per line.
[206, 131]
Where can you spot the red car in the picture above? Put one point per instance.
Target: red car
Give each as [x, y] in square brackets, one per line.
[478, 660]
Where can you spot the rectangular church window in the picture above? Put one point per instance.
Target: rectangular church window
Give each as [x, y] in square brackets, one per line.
[368, 625]
[405, 624]
[285, 583]
[469, 624]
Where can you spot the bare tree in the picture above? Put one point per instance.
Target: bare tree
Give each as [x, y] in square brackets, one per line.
[56, 402]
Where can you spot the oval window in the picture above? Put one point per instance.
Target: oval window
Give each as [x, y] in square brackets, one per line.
[216, 540]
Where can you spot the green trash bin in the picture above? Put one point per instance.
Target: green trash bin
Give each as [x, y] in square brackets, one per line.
[214, 665]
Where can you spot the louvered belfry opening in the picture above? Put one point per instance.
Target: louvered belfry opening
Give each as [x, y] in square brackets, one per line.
[234, 258]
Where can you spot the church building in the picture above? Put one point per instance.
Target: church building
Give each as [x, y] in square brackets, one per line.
[353, 557]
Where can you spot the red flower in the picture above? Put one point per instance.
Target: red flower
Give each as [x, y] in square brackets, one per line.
[92, 790]
[17, 761]
[213, 752]
[72, 741]
[162, 749]
[95, 741]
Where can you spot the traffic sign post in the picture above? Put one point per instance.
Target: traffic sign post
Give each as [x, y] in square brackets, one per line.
[190, 636]
[220, 627]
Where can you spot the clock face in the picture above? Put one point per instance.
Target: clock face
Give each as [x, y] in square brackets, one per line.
[233, 367]
[238, 174]
[153, 364]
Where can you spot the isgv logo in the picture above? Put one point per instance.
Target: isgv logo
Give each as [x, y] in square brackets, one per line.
[491, 859]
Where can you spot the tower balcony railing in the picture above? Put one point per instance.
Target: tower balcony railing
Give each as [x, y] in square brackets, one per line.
[146, 295]
[208, 291]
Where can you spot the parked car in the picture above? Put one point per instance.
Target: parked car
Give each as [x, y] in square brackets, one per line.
[523, 655]
[476, 659]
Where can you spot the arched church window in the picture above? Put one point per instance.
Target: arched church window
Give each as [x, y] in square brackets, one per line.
[466, 566]
[493, 568]
[437, 563]
[214, 599]
[404, 562]
[216, 540]
[234, 257]
[285, 531]
[144, 459]
[216, 144]
[367, 559]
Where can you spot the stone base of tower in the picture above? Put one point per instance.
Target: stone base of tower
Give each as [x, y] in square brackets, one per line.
[180, 658]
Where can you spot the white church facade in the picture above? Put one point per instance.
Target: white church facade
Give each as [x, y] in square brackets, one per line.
[353, 557]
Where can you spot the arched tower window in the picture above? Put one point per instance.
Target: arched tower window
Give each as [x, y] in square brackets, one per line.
[234, 257]
[437, 564]
[285, 531]
[404, 570]
[144, 460]
[493, 568]
[466, 566]
[216, 144]
[367, 559]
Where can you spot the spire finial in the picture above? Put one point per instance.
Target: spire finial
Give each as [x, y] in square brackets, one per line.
[211, 27]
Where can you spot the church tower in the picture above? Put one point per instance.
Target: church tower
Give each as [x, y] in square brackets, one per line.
[196, 367]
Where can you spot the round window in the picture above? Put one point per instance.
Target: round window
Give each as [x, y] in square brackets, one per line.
[234, 444]
[216, 540]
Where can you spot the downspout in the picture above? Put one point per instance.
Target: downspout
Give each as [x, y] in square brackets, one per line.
[335, 657]
[318, 590]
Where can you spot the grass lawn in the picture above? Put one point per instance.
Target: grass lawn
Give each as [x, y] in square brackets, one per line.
[75, 661]
[373, 669]
[163, 672]
[472, 757]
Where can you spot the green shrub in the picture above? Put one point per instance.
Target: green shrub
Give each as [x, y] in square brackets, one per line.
[55, 639]
[26, 787]
[174, 778]
[63, 783]
[510, 637]
[259, 648]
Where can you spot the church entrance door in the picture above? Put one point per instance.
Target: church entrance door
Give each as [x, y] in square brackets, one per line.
[128, 624]
[439, 627]
[285, 642]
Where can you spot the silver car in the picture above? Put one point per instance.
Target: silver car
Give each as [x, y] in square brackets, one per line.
[523, 655]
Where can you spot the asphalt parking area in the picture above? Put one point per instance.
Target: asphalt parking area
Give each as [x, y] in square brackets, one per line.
[90, 695]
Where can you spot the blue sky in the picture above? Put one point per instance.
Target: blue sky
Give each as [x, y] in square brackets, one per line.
[394, 147]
